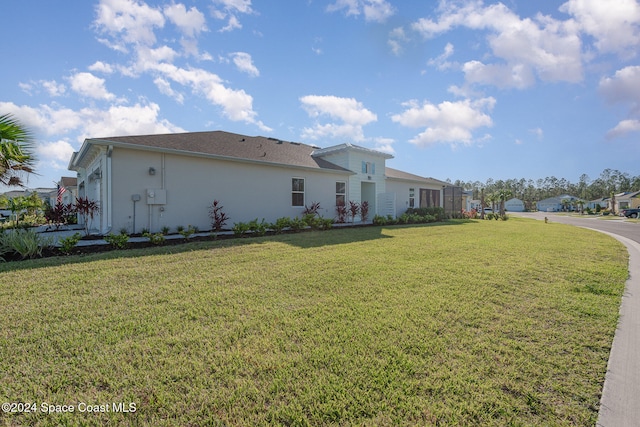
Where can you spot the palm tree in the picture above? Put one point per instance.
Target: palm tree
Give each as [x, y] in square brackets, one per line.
[16, 147]
[502, 198]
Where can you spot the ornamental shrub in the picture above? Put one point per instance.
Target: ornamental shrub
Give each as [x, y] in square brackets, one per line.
[218, 218]
[70, 242]
[279, 225]
[258, 228]
[117, 241]
[26, 243]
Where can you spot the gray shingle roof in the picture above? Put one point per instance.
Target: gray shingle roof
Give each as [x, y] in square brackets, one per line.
[227, 145]
[398, 174]
[67, 181]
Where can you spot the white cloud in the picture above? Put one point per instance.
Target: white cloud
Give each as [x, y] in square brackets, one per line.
[623, 88]
[441, 62]
[397, 38]
[623, 128]
[54, 88]
[545, 47]
[615, 25]
[93, 122]
[45, 119]
[128, 21]
[189, 22]
[101, 67]
[86, 84]
[54, 154]
[373, 10]
[132, 25]
[237, 105]
[241, 6]
[165, 88]
[377, 10]
[447, 122]
[518, 75]
[243, 61]
[230, 9]
[125, 120]
[385, 145]
[349, 112]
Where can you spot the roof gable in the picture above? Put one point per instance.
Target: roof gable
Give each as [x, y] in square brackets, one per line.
[320, 152]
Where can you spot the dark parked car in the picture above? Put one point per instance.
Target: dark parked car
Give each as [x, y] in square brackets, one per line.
[630, 213]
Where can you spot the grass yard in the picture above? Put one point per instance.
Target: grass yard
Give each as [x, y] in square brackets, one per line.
[467, 323]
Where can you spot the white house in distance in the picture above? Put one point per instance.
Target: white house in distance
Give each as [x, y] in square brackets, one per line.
[170, 180]
[514, 205]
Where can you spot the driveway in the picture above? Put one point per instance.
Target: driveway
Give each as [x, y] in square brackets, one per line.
[620, 402]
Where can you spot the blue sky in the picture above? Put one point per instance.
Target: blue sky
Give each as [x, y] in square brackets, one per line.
[465, 90]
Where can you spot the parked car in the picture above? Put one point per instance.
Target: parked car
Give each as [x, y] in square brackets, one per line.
[630, 213]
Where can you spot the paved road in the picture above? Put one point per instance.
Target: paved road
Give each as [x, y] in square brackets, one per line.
[619, 226]
[620, 402]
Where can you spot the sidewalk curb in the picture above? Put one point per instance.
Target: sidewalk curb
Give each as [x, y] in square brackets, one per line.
[619, 404]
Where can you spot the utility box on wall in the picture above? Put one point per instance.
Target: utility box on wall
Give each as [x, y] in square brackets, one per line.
[156, 196]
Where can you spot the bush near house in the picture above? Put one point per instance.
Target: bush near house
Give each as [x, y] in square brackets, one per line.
[436, 212]
[26, 244]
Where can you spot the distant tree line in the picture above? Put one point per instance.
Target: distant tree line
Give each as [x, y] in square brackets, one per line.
[531, 191]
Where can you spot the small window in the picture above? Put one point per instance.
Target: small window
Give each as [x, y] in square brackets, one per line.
[368, 168]
[412, 197]
[297, 192]
[341, 193]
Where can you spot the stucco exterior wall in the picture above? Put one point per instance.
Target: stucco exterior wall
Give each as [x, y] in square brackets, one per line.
[374, 181]
[246, 190]
[401, 188]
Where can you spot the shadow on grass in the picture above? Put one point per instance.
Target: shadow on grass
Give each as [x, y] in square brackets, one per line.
[307, 239]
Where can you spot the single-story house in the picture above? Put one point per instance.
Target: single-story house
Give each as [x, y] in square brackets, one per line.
[155, 181]
[514, 205]
[557, 204]
[45, 194]
[593, 204]
[629, 200]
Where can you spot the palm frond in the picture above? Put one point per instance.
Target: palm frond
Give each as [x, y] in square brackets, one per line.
[16, 151]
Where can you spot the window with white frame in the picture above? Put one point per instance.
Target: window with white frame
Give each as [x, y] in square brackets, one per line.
[412, 197]
[341, 193]
[297, 191]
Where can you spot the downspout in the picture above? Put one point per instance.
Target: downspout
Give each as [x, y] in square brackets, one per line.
[109, 197]
[162, 171]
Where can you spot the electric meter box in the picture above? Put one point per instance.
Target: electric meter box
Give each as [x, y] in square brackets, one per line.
[156, 197]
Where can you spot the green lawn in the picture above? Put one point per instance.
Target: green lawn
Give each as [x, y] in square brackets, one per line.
[467, 323]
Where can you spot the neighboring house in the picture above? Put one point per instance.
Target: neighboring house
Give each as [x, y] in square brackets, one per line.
[469, 203]
[153, 181]
[593, 204]
[555, 204]
[67, 190]
[44, 194]
[627, 201]
[514, 205]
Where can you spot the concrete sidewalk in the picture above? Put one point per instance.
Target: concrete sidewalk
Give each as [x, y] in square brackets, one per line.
[620, 402]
